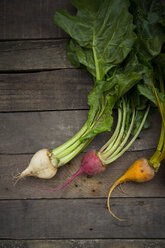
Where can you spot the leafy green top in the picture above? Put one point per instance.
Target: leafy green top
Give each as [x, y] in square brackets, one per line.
[102, 33]
[117, 43]
[149, 18]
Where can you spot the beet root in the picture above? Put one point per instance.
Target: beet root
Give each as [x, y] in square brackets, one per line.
[40, 166]
[90, 165]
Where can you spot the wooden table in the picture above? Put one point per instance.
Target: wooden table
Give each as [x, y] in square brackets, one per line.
[43, 102]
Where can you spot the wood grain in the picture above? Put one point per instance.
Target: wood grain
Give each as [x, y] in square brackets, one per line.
[27, 132]
[96, 243]
[31, 19]
[80, 218]
[33, 55]
[53, 90]
[43, 103]
[83, 187]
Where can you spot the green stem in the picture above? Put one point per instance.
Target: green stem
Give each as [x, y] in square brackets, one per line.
[77, 143]
[126, 137]
[133, 139]
[103, 107]
[98, 77]
[109, 150]
[155, 159]
[162, 139]
[159, 104]
[97, 64]
[72, 147]
[67, 144]
[75, 152]
[111, 141]
[68, 150]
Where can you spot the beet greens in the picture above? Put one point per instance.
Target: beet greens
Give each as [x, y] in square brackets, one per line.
[95, 162]
[149, 17]
[102, 37]
[117, 46]
[141, 61]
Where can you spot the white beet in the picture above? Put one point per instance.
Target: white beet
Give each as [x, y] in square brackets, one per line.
[40, 166]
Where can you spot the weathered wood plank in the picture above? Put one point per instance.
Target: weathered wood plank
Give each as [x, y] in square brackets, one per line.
[33, 55]
[30, 19]
[21, 19]
[82, 187]
[96, 243]
[27, 132]
[53, 90]
[80, 218]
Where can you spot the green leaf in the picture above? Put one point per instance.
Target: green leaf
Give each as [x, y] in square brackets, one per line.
[140, 103]
[71, 53]
[84, 57]
[128, 75]
[160, 60]
[103, 43]
[85, 5]
[128, 100]
[138, 120]
[146, 90]
[105, 94]
[102, 33]
[101, 101]
[149, 18]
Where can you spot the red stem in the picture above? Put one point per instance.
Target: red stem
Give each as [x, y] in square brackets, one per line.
[80, 171]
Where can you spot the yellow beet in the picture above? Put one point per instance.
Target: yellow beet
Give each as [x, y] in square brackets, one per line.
[140, 171]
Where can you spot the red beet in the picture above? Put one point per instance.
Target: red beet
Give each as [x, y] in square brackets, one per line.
[90, 165]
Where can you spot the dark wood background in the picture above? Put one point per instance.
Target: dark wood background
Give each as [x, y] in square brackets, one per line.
[43, 102]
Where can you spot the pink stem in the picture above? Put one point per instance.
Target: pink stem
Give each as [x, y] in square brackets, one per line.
[80, 171]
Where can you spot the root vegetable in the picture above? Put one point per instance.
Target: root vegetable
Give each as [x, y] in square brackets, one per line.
[90, 165]
[95, 162]
[40, 166]
[143, 170]
[95, 51]
[139, 172]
